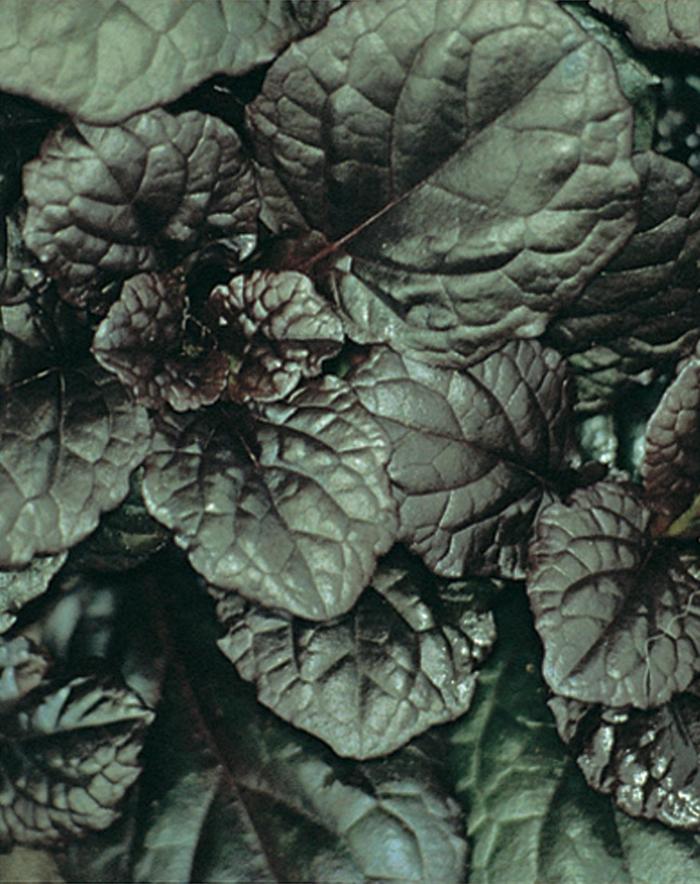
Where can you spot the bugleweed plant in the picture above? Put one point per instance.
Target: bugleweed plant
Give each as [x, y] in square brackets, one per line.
[350, 440]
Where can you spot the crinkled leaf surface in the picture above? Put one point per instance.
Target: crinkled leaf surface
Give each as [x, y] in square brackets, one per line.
[141, 340]
[671, 466]
[289, 329]
[292, 511]
[108, 201]
[21, 585]
[68, 443]
[643, 309]
[403, 659]
[662, 24]
[103, 61]
[231, 793]
[528, 807]
[466, 164]
[472, 450]
[69, 753]
[649, 761]
[616, 613]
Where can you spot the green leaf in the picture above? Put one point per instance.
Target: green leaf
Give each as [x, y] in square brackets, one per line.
[531, 817]
[103, 61]
[231, 793]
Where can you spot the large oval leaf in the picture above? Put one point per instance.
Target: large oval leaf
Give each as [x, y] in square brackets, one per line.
[465, 165]
[109, 201]
[617, 614]
[293, 513]
[473, 451]
[68, 444]
[403, 659]
[105, 60]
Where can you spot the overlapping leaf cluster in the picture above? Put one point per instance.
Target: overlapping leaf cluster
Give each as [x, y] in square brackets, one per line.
[333, 347]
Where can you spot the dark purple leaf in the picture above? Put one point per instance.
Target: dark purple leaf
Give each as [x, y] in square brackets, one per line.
[643, 309]
[671, 466]
[289, 331]
[103, 61]
[462, 194]
[67, 756]
[648, 761]
[68, 443]
[616, 612]
[294, 517]
[673, 25]
[107, 202]
[402, 660]
[142, 339]
[473, 451]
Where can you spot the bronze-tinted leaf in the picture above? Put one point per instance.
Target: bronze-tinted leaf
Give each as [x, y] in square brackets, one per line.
[464, 165]
[473, 451]
[142, 340]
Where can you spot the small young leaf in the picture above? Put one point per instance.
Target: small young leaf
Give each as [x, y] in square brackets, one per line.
[141, 340]
[619, 616]
[290, 330]
[403, 659]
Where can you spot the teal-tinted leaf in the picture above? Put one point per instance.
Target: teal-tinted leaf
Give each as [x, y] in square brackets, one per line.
[649, 761]
[531, 817]
[640, 86]
[68, 444]
[288, 328]
[457, 193]
[405, 658]
[671, 465]
[103, 61]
